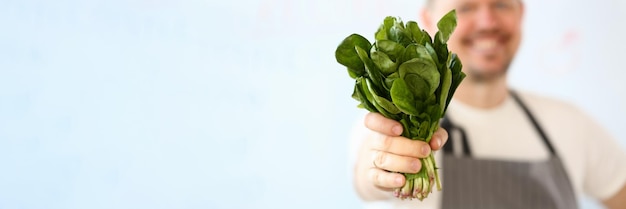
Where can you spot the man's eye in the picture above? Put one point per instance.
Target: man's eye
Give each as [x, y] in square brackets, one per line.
[502, 5]
[465, 8]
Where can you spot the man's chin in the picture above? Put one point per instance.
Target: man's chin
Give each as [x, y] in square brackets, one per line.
[485, 76]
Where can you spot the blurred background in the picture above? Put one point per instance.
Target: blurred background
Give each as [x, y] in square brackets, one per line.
[232, 104]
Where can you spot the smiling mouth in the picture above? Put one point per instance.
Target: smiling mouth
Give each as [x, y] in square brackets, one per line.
[486, 46]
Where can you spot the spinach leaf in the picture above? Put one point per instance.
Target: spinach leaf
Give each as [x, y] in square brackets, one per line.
[415, 31]
[390, 79]
[403, 97]
[381, 102]
[390, 48]
[409, 53]
[383, 30]
[425, 38]
[383, 62]
[446, 82]
[446, 25]
[441, 48]
[455, 66]
[420, 73]
[365, 101]
[370, 68]
[347, 55]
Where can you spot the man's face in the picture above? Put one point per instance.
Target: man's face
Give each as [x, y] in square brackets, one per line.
[487, 35]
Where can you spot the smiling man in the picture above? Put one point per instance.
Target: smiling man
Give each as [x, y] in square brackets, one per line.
[507, 149]
[487, 37]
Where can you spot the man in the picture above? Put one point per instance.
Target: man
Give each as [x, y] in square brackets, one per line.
[507, 149]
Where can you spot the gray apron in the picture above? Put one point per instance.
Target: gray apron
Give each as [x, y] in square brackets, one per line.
[470, 183]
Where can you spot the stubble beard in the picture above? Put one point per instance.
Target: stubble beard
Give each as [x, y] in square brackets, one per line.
[482, 76]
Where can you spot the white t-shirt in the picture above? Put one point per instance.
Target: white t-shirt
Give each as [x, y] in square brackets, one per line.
[595, 162]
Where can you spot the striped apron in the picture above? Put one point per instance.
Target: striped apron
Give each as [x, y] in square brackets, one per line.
[471, 183]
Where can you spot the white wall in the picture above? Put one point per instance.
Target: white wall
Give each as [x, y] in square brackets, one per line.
[230, 104]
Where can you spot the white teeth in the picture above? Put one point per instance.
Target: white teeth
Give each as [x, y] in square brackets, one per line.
[485, 44]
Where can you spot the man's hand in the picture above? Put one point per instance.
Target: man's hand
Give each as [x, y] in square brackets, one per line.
[385, 152]
[618, 201]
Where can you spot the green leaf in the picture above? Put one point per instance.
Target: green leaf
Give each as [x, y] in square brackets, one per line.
[387, 105]
[384, 63]
[420, 126]
[446, 82]
[413, 51]
[399, 34]
[416, 32]
[425, 38]
[402, 97]
[421, 76]
[406, 131]
[418, 86]
[393, 29]
[420, 105]
[372, 103]
[381, 103]
[371, 70]
[423, 53]
[352, 73]
[441, 48]
[396, 33]
[346, 54]
[433, 127]
[433, 112]
[381, 34]
[383, 30]
[455, 66]
[423, 130]
[371, 97]
[432, 100]
[415, 124]
[390, 79]
[390, 48]
[433, 54]
[446, 25]
[410, 52]
[361, 92]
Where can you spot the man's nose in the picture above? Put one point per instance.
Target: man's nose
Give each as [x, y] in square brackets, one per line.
[487, 18]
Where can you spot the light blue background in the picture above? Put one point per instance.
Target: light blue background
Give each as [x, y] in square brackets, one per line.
[230, 104]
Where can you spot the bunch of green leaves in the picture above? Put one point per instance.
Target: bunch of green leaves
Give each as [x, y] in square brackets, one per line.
[405, 75]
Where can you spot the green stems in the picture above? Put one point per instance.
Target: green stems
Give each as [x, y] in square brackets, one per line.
[419, 185]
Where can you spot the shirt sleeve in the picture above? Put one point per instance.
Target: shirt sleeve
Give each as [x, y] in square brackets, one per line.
[605, 166]
[355, 141]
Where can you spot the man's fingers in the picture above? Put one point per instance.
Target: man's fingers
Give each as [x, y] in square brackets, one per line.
[384, 179]
[440, 137]
[401, 146]
[383, 125]
[396, 163]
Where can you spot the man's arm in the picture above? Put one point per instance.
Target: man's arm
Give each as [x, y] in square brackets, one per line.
[605, 175]
[618, 201]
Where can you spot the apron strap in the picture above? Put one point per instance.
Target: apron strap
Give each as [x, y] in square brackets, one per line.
[451, 128]
[532, 119]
